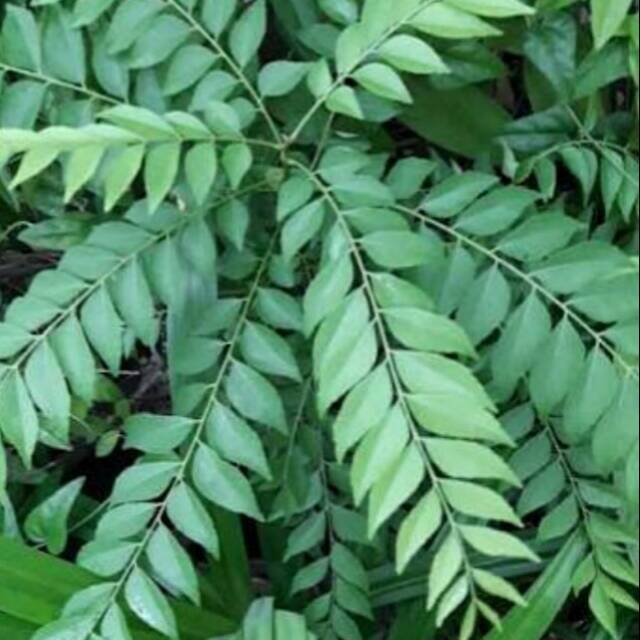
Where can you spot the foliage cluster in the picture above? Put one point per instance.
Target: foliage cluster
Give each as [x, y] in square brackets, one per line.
[319, 319]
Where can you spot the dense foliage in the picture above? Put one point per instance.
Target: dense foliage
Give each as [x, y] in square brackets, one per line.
[319, 319]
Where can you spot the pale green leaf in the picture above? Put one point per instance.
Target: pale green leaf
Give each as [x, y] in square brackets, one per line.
[479, 502]
[557, 367]
[18, 418]
[411, 54]
[237, 160]
[201, 167]
[380, 450]
[497, 543]
[47, 523]
[397, 249]
[144, 481]
[417, 529]
[607, 18]
[236, 442]
[383, 81]
[361, 410]
[255, 397]
[344, 101]
[103, 328]
[395, 487]
[468, 460]
[148, 603]
[248, 33]
[160, 171]
[445, 21]
[172, 563]
[190, 517]
[280, 78]
[155, 433]
[426, 331]
[444, 568]
[493, 8]
[265, 350]
[223, 484]
[47, 386]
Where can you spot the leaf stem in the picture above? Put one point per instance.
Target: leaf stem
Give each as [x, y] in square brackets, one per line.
[389, 362]
[601, 145]
[196, 441]
[529, 280]
[94, 286]
[344, 76]
[35, 75]
[237, 71]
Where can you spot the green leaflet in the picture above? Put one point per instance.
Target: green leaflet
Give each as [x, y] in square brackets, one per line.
[495, 543]
[172, 563]
[87, 11]
[496, 211]
[468, 460]
[454, 194]
[326, 291]
[486, 305]
[237, 160]
[280, 78]
[607, 20]
[18, 419]
[125, 521]
[255, 398]
[517, 349]
[20, 35]
[379, 451]
[144, 481]
[383, 81]
[494, 8]
[397, 249]
[48, 522]
[477, 501]
[538, 237]
[103, 328]
[394, 487]
[364, 404]
[156, 434]
[223, 484]
[407, 53]
[128, 23]
[236, 441]
[63, 48]
[263, 620]
[450, 22]
[148, 603]
[161, 168]
[248, 32]
[345, 101]
[187, 66]
[45, 381]
[591, 395]
[216, 16]
[190, 517]
[201, 165]
[425, 331]
[557, 367]
[417, 529]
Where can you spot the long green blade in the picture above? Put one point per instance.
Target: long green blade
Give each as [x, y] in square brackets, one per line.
[546, 598]
[35, 586]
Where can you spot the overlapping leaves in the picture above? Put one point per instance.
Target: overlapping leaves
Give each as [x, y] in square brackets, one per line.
[382, 358]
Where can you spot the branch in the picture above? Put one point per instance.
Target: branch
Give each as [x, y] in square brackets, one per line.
[530, 281]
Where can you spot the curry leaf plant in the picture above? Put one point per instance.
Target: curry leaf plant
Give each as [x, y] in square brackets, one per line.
[332, 331]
